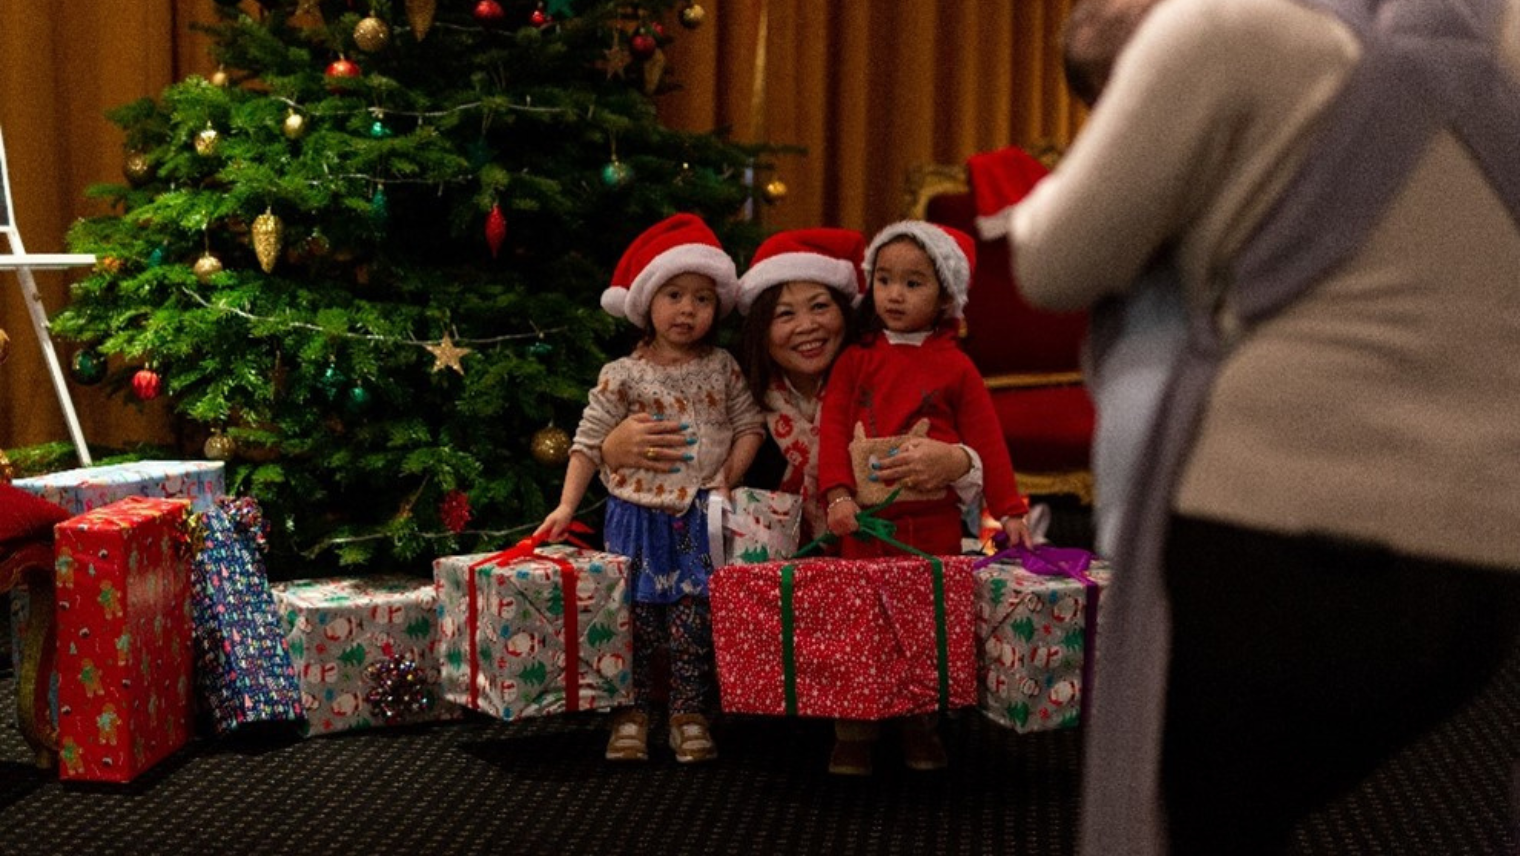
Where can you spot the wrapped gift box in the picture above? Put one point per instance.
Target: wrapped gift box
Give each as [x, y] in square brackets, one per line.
[512, 647]
[244, 673]
[124, 647]
[761, 526]
[854, 639]
[81, 490]
[87, 488]
[1035, 633]
[365, 650]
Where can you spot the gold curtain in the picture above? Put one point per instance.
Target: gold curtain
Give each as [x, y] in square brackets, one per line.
[869, 88]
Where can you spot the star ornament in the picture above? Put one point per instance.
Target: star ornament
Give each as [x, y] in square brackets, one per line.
[446, 354]
[616, 62]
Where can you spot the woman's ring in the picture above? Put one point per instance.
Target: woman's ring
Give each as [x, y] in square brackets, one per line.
[649, 453]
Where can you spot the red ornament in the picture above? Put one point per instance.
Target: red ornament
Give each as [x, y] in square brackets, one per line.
[343, 67]
[146, 384]
[488, 13]
[659, 31]
[642, 45]
[540, 18]
[496, 229]
[454, 510]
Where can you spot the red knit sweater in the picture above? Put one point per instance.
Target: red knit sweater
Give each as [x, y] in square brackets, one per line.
[888, 388]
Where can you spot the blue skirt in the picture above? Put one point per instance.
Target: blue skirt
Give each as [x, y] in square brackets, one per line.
[669, 555]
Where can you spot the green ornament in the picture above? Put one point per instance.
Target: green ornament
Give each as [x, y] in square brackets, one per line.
[332, 382]
[379, 209]
[378, 130]
[616, 174]
[358, 400]
[156, 258]
[561, 8]
[540, 348]
[88, 367]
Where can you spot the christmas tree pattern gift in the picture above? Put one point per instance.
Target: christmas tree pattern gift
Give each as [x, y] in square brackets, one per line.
[761, 525]
[243, 672]
[124, 648]
[1037, 618]
[365, 651]
[854, 639]
[536, 630]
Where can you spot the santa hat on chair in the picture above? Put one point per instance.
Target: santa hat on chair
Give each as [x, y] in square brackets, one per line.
[998, 181]
[828, 257]
[952, 251]
[679, 244]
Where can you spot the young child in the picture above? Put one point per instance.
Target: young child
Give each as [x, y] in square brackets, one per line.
[673, 282]
[907, 379]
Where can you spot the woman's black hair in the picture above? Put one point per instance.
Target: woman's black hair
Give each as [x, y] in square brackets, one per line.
[754, 337]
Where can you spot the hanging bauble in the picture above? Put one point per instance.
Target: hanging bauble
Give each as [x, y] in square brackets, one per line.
[7, 469]
[551, 446]
[419, 13]
[372, 34]
[156, 258]
[137, 169]
[379, 209]
[774, 191]
[206, 266]
[454, 511]
[357, 401]
[616, 174]
[332, 382]
[342, 67]
[561, 8]
[268, 237]
[539, 18]
[496, 229]
[219, 446]
[219, 77]
[692, 16]
[146, 384]
[109, 264]
[488, 13]
[206, 142]
[294, 126]
[378, 129]
[317, 246]
[643, 45]
[540, 348]
[5, 346]
[88, 367]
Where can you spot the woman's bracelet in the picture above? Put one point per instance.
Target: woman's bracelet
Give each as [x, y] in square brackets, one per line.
[838, 499]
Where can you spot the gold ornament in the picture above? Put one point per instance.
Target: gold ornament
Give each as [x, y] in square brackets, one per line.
[551, 446]
[420, 14]
[137, 169]
[206, 266]
[220, 447]
[774, 191]
[693, 16]
[206, 141]
[309, 8]
[268, 234]
[372, 34]
[654, 69]
[5, 346]
[7, 472]
[219, 77]
[294, 126]
[446, 354]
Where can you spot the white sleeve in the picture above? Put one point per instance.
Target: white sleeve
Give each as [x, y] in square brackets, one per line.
[968, 488]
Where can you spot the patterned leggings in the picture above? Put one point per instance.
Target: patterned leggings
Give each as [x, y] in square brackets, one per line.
[684, 628]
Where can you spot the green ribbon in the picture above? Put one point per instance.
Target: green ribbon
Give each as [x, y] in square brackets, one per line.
[871, 527]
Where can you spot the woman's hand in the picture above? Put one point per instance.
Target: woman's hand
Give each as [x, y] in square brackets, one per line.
[923, 464]
[841, 514]
[648, 442]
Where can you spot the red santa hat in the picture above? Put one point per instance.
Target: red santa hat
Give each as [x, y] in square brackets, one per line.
[952, 251]
[998, 181]
[679, 244]
[830, 257]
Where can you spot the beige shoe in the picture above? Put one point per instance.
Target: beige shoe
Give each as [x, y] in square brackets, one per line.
[851, 757]
[630, 736]
[691, 739]
[922, 748]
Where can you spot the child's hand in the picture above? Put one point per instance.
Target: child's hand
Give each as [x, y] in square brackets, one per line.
[841, 514]
[554, 526]
[1018, 532]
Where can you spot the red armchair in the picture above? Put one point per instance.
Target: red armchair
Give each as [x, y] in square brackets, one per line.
[1029, 358]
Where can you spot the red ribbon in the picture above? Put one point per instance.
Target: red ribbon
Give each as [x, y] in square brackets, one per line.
[527, 548]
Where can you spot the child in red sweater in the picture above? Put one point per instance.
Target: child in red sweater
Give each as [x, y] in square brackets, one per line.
[907, 378]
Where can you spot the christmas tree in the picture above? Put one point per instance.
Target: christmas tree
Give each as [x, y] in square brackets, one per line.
[364, 258]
